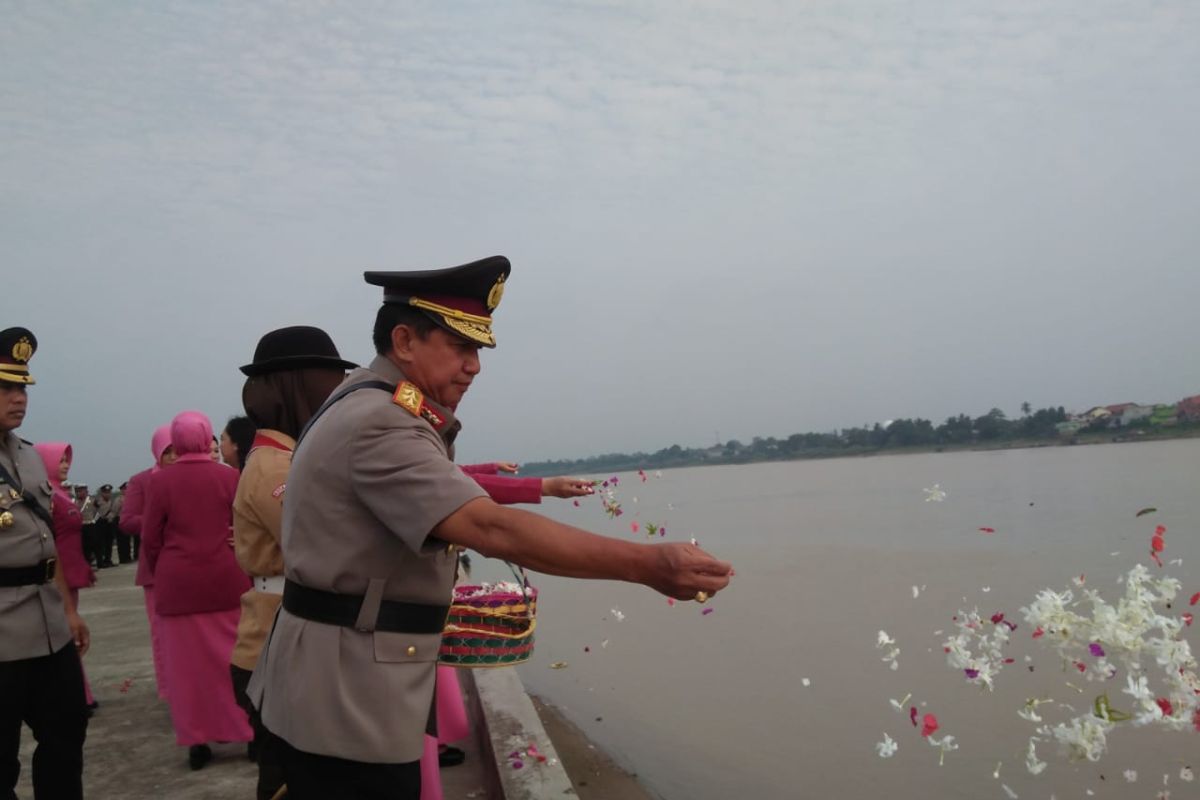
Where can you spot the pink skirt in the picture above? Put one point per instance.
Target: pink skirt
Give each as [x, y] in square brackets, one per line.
[196, 651]
[156, 650]
[451, 712]
[431, 776]
[452, 725]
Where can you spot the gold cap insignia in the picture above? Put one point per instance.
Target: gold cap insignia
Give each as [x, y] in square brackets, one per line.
[497, 292]
[22, 351]
[7, 519]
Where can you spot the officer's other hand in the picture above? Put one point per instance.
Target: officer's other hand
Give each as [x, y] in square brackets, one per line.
[565, 487]
[79, 632]
[681, 570]
[507, 466]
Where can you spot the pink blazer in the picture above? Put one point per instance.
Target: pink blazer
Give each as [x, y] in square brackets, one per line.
[185, 538]
[68, 540]
[133, 510]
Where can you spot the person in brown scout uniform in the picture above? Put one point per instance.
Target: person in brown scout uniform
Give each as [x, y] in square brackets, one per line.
[294, 370]
[41, 635]
[374, 515]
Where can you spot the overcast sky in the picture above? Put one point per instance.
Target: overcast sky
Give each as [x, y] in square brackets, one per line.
[725, 218]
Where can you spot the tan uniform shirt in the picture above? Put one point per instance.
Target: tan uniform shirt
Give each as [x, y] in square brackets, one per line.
[33, 620]
[106, 509]
[368, 484]
[257, 519]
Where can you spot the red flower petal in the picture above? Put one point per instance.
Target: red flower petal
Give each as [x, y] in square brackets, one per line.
[1039, 633]
[988, 530]
[1165, 705]
[929, 725]
[912, 715]
[1195, 599]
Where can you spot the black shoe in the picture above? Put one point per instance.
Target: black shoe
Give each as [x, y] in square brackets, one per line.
[199, 755]
[450, 756]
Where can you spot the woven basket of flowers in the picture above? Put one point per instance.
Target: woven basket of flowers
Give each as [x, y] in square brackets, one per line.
[490, 624]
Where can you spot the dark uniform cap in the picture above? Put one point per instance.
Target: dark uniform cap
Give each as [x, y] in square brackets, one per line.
[460, 299]
[17, 346]
[297, 347]
[106, 487]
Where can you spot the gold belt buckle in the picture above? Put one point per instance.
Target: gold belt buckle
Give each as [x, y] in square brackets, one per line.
[50, 565]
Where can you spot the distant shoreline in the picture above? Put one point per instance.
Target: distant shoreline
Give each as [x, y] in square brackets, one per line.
[632, 463]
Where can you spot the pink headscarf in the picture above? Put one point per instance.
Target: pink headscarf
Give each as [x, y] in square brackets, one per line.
[191, 432]
[52, 453]
[159, 442]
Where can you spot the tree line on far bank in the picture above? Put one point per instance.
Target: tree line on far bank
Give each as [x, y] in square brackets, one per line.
[990, 429]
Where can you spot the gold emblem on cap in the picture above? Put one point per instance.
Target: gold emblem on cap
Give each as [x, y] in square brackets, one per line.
[6, 520]
[22, 351]
[493, 298]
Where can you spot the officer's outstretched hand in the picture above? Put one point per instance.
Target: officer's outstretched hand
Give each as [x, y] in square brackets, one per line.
[683, 571]
[79, 632]
[566, 487]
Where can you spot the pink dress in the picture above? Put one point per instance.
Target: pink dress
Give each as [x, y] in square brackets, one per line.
[132, 512]
[198, 588]
[68, 533]
[452, 724]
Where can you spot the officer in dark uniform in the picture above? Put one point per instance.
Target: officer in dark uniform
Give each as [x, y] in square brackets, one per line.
[41, 635]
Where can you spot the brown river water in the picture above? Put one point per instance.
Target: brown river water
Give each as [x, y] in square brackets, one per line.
[826, 553]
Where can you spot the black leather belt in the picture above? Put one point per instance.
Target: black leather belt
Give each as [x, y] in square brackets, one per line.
[342, 609]
[39, 573]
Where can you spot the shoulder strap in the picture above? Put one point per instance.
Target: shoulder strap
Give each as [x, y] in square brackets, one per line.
[29, 499]
[338, 395]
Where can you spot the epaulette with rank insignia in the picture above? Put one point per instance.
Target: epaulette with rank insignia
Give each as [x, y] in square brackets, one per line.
[412, 400]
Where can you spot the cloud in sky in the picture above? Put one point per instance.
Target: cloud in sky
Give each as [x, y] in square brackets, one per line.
[751, 218]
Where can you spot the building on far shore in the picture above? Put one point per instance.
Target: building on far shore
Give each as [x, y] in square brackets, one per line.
[1189, 409]
[1133, 412]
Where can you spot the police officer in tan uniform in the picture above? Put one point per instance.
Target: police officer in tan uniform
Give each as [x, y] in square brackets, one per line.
[374, 512]
[41, 635]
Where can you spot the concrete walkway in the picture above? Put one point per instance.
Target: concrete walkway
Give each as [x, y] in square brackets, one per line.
[131, 752]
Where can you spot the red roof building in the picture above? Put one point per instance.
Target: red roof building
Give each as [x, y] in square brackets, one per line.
[1189, 409]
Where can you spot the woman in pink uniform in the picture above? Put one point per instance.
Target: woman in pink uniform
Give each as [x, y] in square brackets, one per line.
[452, 724]
[68, 530]
[187, 541]
[133, 511]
